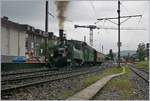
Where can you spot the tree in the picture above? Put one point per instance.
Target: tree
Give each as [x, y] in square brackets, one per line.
[141, 51]
[147, 51]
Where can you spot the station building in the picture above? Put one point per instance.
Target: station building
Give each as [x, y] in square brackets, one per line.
[17, 39]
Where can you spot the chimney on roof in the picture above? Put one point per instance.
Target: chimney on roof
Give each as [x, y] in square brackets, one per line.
[5, 18]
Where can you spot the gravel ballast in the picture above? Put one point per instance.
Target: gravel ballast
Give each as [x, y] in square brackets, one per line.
[51, 90]
[55, 90]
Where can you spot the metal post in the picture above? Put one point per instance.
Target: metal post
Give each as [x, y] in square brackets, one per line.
[118, 33]
[46, 27]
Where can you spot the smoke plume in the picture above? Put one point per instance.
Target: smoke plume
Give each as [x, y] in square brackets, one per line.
[61, 7]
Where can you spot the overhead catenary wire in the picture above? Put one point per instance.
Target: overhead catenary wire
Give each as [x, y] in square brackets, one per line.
[93, 7]
[131, 12]
[142, 13]
[63, 16]
[122, 5]
[51, 14]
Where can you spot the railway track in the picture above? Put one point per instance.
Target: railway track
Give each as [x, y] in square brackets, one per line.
[24, 72]
[27, 75]
[145, 71]
[15, 83]
[32, 74]
[141, 73]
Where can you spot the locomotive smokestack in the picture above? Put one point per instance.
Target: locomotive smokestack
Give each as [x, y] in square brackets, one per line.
[61, 32]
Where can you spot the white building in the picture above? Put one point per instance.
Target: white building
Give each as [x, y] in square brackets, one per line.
[17, 39]
[12, 40]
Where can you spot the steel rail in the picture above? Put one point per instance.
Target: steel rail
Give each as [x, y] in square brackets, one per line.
[11, 87]
[139, 72]
[47, 73]
[22, 72]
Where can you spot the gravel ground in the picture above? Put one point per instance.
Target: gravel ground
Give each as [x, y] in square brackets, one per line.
[52, 90]
[140, 90]
[61, 89]
[141, 87]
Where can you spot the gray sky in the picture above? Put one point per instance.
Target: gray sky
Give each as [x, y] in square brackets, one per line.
[32, 12]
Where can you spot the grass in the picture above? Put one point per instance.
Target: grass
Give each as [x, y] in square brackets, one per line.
[93, 79]
[143, 65]
[68, 93]
[122, 86]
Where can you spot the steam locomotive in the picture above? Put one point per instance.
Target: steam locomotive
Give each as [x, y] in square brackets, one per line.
[73, 53]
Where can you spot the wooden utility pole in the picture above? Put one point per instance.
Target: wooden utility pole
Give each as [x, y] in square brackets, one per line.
[46, 27]
[119, 43]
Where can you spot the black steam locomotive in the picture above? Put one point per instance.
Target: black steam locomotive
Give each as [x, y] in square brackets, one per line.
[73, 53]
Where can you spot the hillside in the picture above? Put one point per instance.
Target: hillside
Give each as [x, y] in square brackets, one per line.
[125, 52]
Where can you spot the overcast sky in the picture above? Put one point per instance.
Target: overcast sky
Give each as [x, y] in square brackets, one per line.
[32, 12]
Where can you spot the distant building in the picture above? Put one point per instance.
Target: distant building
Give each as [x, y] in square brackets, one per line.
[17, 39]
[33, 38]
